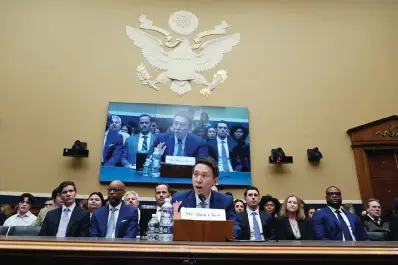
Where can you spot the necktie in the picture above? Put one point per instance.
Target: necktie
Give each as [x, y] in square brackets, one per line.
[203, 204]
[344, 227]
[224, 157]
[377, 220]
[256, 227]
[179, 150]
[63, 224]
[145, 143]
[111, 224]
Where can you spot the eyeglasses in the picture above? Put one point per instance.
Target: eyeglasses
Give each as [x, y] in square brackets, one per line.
[113, 189]
[333, 193]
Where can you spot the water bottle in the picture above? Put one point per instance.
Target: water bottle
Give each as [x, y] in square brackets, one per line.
[153, 228]
[156, 163]
[166, 222]
[146, 169]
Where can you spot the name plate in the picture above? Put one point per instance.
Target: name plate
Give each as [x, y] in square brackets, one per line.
[180, 160]
[203, 214]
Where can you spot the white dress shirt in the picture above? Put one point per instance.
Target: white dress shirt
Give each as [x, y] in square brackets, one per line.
[26, 219]
[296, 230]
[250, 216]
[159, 212]
[116, 216]
[371, 218]
[345, 220]
[219, 147]
[198, 201]
[141, 141]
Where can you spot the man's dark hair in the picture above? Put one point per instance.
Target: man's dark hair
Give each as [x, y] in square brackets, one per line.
[222, 121]
[49, 199]
[251, 188]
[145, 115]
[31, 198]
[210, 162]
[331, 187]
[185, 115]
[165, 184]
[55, 193]
[65, 184]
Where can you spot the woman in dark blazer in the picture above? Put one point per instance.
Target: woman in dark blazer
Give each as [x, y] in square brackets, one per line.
[291, 223]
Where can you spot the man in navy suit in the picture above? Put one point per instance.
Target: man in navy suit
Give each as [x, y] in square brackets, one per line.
[253, 224]
[116, 220]
[180, 142]
[334, 223]
[68, 220]
[141, 142]
[113, 143]
[205, 175]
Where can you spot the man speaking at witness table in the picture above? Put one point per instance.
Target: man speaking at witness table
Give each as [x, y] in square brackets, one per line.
[204, 176]
[116, 220]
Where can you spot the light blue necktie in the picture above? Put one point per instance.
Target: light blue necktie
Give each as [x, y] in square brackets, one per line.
[111, 224]
[256, 227]
[179, 150]
[63, 224]
[224, 157]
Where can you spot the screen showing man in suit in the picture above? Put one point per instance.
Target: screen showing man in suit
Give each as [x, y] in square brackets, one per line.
[177, 131]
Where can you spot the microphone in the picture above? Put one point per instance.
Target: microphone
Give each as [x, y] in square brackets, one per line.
[202, 197]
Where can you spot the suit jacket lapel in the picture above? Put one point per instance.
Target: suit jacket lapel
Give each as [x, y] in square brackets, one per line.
[190, 202]
[170, 144]
[189, 149]
[136, 139]
[333, 217]
[105, 224]
[58, 219]
[72, 219]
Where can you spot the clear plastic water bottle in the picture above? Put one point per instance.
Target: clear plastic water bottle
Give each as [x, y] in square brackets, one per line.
[166, 222]
[147, 167]
[153, 228]
[156, 163]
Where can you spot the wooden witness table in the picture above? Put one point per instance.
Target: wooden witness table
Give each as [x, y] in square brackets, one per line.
[47, 250]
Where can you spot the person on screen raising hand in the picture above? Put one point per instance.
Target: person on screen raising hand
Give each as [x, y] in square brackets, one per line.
[180, 142]
[204, 176]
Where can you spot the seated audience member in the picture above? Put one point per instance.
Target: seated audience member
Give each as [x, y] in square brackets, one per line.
[291, 223]
[131, 198]
[239, 206]
[372, 221]
[333, 223]
[253, 224]
[394, 221]
[68, 220]
[180, 142]
[138, 143]
[7, 210]
[49, 203]
[116, 220]
[23, 217]
[3, 217]
[56, 198]
[349, 207]
[310, 213]
[210, 133]
[83, 204]
[95, 201]
[113, 143]
[230, 154]
[162, 192]
[205, 176]
[270, 205]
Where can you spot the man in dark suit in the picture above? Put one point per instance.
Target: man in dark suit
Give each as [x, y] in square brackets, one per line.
[180, 142]
[113, 143]
[68, 220]
[372, 221]
[230, 155]
[334, 223]
[205, 175]
[253, 224]
[141, 142]
[116, 220]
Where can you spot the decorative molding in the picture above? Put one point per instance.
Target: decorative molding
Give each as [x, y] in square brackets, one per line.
[182, 65]
[389, 132]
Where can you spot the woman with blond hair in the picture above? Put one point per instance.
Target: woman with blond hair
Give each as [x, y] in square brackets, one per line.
[291, 223]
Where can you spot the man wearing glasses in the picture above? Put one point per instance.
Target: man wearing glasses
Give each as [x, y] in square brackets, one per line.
[116, 220]
[334, 223]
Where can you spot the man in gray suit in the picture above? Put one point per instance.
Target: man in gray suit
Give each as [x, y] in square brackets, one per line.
[138, 142]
